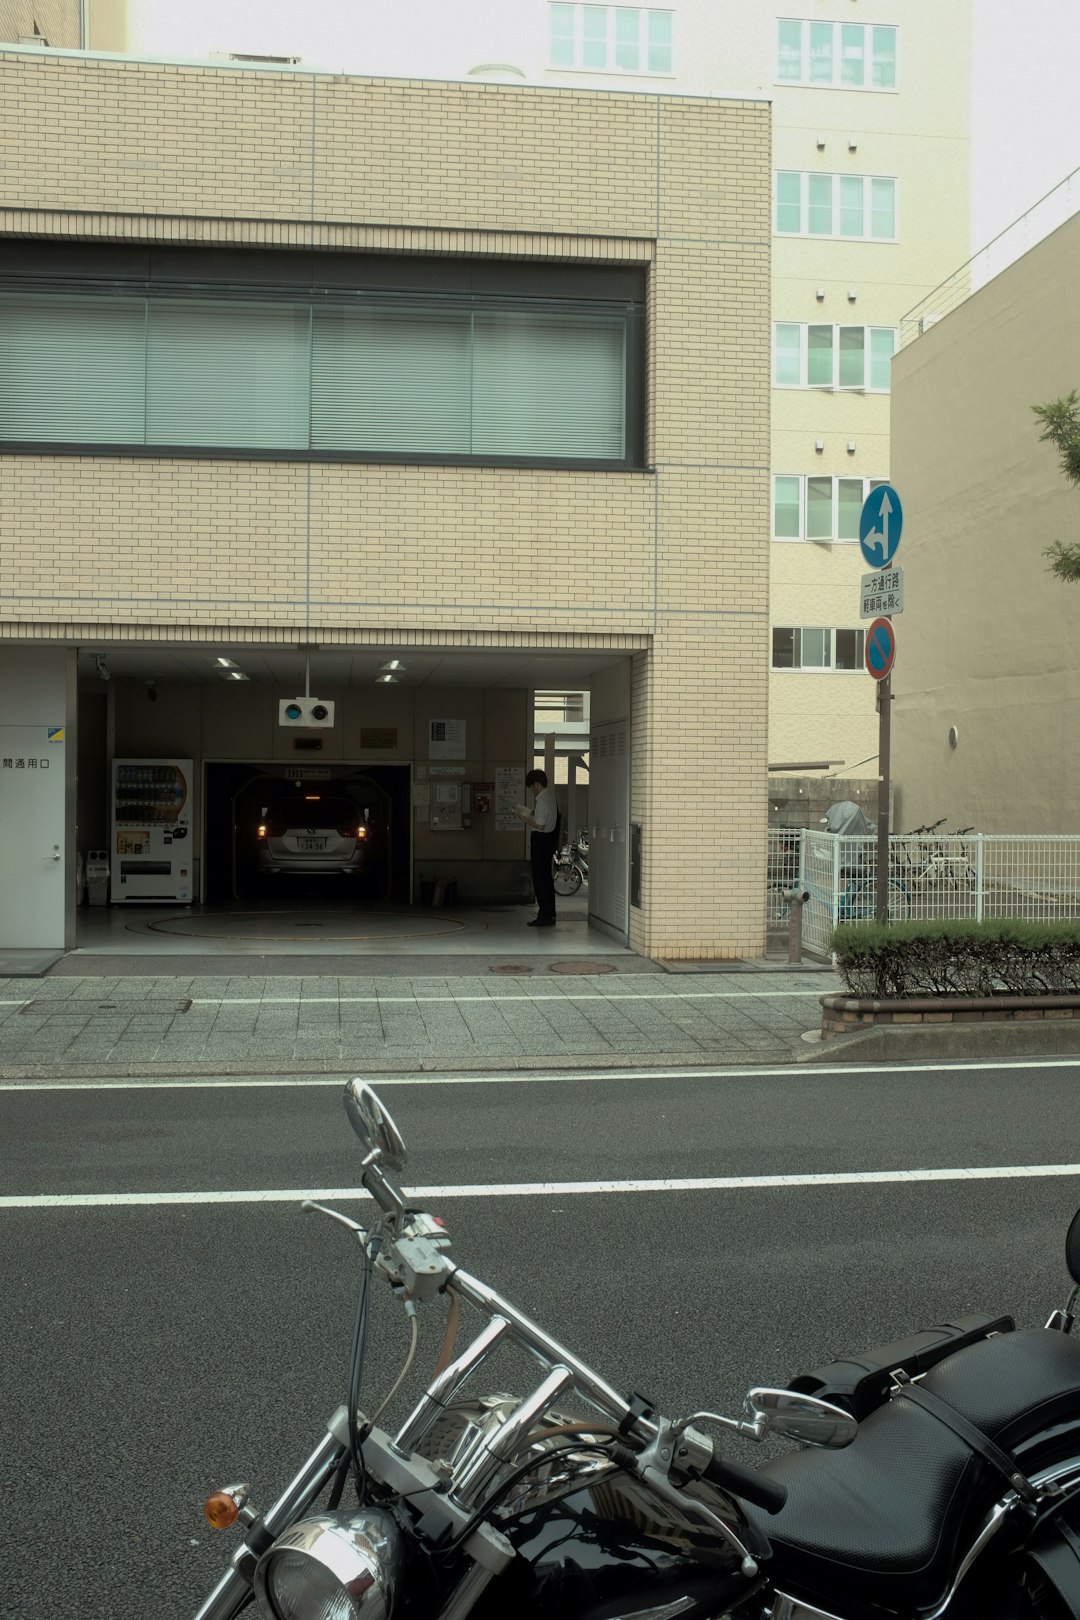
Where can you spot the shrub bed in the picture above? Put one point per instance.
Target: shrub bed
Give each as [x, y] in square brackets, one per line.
[1000, 957]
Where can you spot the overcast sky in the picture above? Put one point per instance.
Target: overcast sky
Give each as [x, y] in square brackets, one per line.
[1025, 117]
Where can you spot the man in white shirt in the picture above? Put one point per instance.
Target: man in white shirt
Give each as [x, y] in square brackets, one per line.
[544, 820]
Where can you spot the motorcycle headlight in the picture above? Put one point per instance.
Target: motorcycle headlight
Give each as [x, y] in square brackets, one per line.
[335, 1566]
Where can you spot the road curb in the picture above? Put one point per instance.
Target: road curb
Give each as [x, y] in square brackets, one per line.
[536, 1062]
[921, 1043]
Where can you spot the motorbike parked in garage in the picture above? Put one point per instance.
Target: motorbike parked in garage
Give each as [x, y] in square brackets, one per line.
[570, 865]
[936, 1479]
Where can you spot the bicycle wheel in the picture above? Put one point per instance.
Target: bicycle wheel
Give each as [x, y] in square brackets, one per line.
[899, 900]
[566, 877]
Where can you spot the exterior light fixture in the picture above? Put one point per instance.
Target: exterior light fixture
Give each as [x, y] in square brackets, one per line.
[819, 294]
[819, 445]
[851, 447]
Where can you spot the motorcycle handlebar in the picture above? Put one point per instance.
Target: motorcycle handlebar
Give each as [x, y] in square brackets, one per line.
[746, 1482]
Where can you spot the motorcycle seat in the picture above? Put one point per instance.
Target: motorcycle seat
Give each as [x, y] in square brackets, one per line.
[883, 1523]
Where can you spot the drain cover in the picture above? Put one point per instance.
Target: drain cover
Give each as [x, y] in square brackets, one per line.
[581, 967]
[514, 968]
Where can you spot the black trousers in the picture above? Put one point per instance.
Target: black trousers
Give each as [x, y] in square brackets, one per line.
[542, 852]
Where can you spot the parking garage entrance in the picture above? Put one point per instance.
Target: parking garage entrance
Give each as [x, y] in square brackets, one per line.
[328, 835]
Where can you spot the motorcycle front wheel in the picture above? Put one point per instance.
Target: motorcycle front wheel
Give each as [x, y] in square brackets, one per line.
[566, 877]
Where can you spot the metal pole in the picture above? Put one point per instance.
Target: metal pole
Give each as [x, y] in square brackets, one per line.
[884, 767]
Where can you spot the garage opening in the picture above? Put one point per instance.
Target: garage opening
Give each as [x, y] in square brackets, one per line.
[334, 835]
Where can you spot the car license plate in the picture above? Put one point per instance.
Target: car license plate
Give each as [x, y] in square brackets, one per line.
[311, 843]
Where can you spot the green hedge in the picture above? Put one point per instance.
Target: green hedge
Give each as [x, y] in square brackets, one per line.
[1001, 957]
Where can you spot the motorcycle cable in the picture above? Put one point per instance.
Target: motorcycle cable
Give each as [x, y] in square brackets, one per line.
[624, 1462]
[356, 1364]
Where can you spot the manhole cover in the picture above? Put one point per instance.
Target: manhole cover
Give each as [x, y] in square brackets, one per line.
[581, 967]
[83, 1007]
[514, 968]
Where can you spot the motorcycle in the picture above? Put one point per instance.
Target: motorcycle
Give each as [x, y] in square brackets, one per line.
[936, 1479]
[570, 866]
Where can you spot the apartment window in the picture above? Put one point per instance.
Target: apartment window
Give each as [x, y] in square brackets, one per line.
[611, 39]
[819, 508]
[379, 377]
[814, 647]
[841, 56]
[858, 207]
[813, 356]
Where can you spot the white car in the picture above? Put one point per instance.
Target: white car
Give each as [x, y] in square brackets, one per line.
[312, 832]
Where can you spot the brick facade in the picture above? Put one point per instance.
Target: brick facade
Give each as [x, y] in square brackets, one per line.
[669, 563]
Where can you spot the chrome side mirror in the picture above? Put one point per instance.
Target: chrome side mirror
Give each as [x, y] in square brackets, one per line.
[373, 1125]
[799, 1417]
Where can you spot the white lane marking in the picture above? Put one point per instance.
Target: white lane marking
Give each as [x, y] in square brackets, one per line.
[134, 1003]
[525, 1077]
[543, 1189]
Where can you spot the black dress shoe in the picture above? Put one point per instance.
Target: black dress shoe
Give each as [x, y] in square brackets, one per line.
[541, 922]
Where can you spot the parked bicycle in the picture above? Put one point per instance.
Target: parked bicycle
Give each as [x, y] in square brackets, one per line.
[570, 866]
[941, 862]
[858, 900]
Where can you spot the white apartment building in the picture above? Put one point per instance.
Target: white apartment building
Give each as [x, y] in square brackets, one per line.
[871, 160]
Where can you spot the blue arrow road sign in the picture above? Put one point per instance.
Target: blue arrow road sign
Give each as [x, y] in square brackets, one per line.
[880, 648]
[880, 522]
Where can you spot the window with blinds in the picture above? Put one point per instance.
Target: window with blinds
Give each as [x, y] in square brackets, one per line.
[374, 377]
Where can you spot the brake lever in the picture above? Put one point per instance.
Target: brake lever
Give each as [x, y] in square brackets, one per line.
[311, 1206]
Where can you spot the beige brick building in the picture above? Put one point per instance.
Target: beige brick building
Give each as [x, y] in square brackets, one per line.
[195, 465]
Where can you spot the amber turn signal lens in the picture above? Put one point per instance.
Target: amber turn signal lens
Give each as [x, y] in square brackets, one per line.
[220, 1510]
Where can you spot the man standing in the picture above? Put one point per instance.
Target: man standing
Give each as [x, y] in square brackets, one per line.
[544, 820]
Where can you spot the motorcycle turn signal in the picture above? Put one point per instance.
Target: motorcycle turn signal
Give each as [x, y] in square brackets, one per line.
[222, 1508]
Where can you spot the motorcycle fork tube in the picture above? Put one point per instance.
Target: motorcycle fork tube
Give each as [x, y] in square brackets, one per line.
[234, 1588]
[512, 1437]
[446, 1386]
[550, 1354]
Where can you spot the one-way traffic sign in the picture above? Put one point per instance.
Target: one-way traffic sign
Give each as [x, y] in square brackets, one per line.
[881, 593]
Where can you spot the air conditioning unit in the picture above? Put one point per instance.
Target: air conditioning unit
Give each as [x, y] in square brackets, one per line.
[306, 711]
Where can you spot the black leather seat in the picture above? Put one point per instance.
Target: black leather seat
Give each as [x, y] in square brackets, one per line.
[882, 1521]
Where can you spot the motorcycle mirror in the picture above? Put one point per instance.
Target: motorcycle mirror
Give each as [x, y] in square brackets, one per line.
[800, 1417]
[1072, 1248]
[373, 1125]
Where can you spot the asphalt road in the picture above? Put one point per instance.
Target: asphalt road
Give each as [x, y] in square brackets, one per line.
[154, 1351]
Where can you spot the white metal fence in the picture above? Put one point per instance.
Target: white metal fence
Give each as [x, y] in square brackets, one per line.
[975, 875]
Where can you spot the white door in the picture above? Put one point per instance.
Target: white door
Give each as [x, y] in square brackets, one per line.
[609, 808]
[32, 892]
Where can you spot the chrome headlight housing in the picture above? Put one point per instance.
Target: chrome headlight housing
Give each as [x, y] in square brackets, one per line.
[333, 1566]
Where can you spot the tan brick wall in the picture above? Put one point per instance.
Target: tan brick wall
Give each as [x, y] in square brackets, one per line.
[669, 566]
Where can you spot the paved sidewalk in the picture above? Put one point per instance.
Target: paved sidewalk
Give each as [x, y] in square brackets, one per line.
[199, 1024]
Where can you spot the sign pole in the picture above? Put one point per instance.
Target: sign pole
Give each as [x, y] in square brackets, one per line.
[884, 699]
[880, 524]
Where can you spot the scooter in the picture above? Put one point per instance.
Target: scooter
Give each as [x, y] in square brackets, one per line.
[570, 866]
[935, 1479]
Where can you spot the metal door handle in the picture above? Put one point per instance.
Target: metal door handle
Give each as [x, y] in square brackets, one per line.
[56, 852]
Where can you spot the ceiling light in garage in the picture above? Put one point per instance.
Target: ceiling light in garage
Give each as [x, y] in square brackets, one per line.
[226, 663]
[385, 679]
[238, 675]
[395, 663]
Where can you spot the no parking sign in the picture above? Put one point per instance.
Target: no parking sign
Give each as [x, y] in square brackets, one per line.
[880, 651]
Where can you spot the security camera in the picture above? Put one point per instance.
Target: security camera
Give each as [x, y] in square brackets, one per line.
[104, 672]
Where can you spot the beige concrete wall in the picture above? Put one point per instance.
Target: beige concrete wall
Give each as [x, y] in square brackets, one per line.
[988, 637]
[671, 561]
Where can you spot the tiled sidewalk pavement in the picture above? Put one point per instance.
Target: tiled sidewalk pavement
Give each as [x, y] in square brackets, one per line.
[254, 1025]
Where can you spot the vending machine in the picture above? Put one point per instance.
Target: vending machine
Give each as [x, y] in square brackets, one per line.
[151, 853]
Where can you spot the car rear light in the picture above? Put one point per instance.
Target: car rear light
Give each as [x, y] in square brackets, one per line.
[262, 830]
[351, 830]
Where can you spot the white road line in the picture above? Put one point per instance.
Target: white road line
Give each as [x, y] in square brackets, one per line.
[542, 1189]
[427, 1001]
[525, 1077]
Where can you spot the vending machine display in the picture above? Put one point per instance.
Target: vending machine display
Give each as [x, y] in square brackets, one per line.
[151, 855]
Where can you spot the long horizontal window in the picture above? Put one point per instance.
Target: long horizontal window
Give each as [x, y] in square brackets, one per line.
[376, 377]
[843, 56]
[859, 207]
[810, 356]
[818, 508]
[815, 647]
[611, 39]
